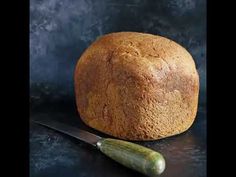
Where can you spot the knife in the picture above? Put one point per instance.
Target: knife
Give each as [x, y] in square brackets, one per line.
[131, 155]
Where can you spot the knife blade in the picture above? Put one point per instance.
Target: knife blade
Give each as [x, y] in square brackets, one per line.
[71, 131]
[131, 155]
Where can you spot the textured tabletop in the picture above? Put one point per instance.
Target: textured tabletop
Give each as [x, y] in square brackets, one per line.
[54, 154]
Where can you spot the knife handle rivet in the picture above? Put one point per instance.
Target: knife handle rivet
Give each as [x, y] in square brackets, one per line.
[99, 144]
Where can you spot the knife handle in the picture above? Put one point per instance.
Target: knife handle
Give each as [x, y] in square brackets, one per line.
[133, 156]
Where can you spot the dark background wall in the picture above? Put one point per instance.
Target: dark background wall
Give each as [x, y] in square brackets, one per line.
[60, 30]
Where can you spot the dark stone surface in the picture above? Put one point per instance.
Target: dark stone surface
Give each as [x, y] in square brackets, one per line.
[55, 154]
[60, 31]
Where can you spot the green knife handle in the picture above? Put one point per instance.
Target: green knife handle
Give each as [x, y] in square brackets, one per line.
[133, 156]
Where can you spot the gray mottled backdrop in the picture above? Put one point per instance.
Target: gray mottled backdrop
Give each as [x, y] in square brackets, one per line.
[60, 30]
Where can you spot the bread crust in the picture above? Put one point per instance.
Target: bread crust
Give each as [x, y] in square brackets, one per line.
[136, 86]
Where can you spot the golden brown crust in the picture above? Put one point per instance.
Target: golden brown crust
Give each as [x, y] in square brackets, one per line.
[136, 86]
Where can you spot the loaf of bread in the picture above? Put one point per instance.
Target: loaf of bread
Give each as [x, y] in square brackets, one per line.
[136, 86]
